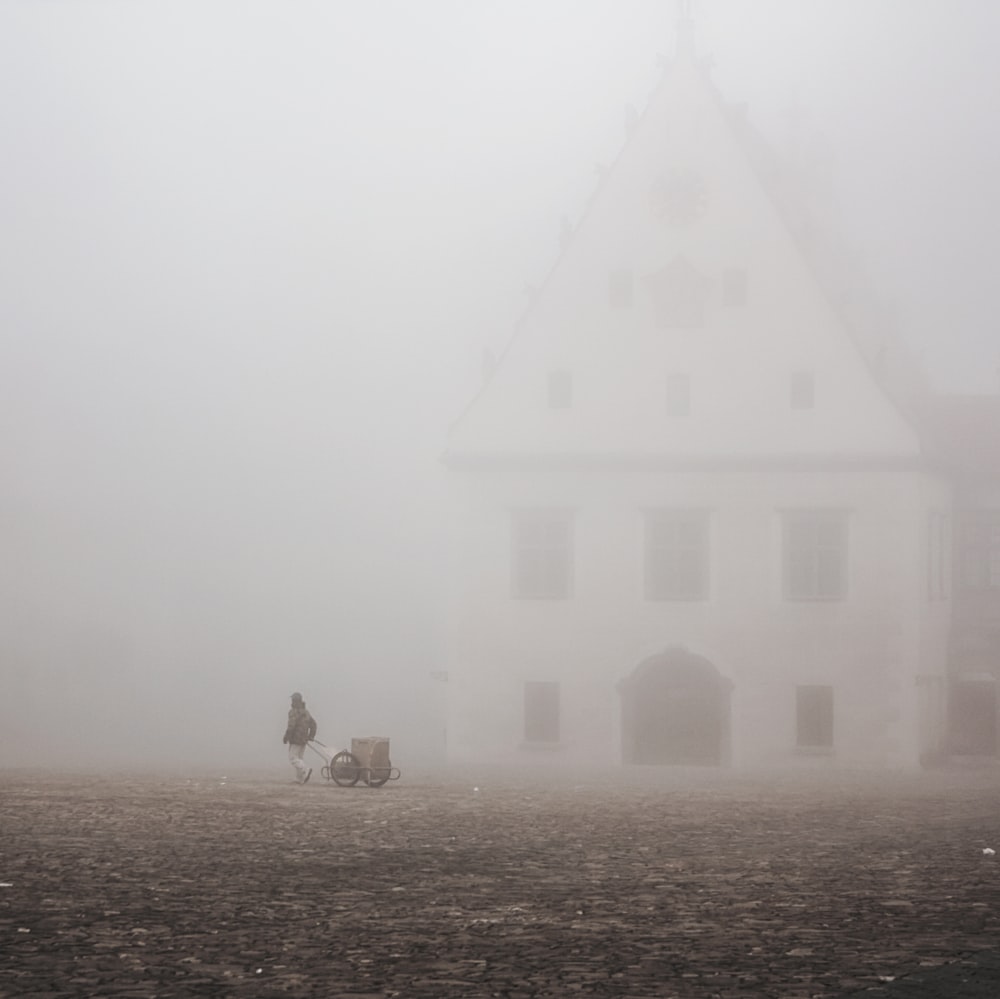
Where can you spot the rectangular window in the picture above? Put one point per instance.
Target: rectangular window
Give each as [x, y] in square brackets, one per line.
[734, 286]
[814, 716]
[541, 711]
[937, 555]
[620, 289]
[560, 389]
[678, 394]
[676, 555]
[542, 555]
[980, 551]
[802, 390]
[815, 555]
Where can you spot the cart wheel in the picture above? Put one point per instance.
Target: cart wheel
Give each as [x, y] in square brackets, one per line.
[379, 775]
[344, 769]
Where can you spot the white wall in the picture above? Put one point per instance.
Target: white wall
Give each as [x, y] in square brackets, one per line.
[870, 646]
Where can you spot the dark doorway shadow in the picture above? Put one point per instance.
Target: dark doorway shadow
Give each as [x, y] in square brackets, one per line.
[972, 718]
[675, 710]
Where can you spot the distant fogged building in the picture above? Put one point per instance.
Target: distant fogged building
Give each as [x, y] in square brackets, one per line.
[699, 521]
[963, 434]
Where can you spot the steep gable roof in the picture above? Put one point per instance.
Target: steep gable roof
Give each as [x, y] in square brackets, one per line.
[681, 217]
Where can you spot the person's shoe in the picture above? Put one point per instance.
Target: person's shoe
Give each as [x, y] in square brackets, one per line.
[309, 773]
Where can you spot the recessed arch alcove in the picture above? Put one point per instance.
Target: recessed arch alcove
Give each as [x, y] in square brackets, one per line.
[675, 711]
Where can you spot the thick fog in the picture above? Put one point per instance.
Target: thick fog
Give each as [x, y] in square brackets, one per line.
[252, 255]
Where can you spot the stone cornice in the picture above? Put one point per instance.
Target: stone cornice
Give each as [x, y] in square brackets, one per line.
[497, 461]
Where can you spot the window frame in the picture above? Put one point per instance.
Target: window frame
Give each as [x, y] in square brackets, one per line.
[551, 551]
[819, 554]
[814, 713]
[542, 712]
[688, 578]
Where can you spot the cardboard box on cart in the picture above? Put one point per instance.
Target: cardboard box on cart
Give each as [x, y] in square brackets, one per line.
[372, 753]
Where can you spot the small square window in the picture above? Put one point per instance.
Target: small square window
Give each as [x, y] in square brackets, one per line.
[560, 389]
[734, 286]
[620, 289]
[678, 394]
[541, 711]
[802, 390]
[814, 716]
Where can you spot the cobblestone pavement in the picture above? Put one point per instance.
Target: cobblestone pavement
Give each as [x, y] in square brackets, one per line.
[642, 882]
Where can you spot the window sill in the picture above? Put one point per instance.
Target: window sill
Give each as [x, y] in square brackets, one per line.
[700, 598]
[540, 597]
[791, 598]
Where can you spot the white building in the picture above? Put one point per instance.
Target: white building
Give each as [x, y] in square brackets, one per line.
[695, 526]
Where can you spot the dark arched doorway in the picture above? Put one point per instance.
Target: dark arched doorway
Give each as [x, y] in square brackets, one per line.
[675, 710]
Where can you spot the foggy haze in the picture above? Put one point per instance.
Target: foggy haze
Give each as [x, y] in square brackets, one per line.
[252, 255]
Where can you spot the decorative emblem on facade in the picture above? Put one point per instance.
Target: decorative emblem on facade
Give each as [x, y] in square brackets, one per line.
[679, 197]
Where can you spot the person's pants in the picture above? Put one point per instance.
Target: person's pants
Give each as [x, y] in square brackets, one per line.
[295, 754]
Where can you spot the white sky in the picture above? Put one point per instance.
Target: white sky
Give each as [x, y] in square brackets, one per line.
[253, 250]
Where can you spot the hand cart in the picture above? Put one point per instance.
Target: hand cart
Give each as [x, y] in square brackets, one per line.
[367, 760]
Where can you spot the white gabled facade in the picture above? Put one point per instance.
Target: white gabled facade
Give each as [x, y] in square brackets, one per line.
[694, 527]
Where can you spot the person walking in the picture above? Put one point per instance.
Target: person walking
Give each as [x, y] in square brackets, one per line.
[301, 728]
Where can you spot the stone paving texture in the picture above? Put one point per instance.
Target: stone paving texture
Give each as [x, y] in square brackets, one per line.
[632, 883]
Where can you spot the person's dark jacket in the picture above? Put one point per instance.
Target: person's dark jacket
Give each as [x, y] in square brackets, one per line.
[301, 726]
